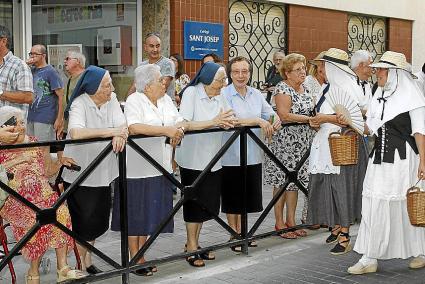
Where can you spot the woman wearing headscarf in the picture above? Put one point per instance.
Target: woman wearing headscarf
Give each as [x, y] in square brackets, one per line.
[250, 108]
[335, 191]
[396, 117]
[150, 197]
[203, 107]
[31, 168]
[93, 111]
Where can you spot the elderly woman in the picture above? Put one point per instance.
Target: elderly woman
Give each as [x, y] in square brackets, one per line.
[150, 196]
[294, 105]
[94, 111]
[396, 117]
[250, 108]
[335, 191]
[31, 168]
[203, 107]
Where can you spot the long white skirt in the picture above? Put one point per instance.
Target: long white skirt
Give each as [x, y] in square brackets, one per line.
[385, 231]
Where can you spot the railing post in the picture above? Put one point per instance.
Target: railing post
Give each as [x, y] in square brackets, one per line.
[244, 215]
[122, 184]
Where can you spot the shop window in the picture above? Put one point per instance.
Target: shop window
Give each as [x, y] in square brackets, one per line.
[105, 31]
[256, 31]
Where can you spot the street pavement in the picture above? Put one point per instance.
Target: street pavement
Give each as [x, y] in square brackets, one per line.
[275, 260]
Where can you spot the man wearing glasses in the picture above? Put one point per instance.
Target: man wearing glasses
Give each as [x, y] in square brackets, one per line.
[16, 87]
[45, 114]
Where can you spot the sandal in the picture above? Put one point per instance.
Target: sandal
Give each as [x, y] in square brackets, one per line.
[300, 233]
[31, 278]
[194, 258]
[70, 274]
[339, 248]
[333, 237]
[287, 235]
[153, 268]
[252, 244]
[205, 255]
[146, 271]
[235, 248]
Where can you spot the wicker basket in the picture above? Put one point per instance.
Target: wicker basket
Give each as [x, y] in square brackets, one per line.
[416, 206]
[344, 148]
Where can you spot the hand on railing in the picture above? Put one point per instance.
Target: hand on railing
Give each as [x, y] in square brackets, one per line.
[67, 162]
[118, 144]
[122, 132]
[266, 127]
[174, 135]
[225, 119]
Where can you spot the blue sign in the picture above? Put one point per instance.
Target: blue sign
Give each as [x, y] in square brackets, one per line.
[202, 38]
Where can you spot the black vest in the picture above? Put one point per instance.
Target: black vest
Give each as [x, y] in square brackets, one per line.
[395, 134]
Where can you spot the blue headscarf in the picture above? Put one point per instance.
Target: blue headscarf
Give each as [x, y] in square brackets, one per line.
[205, 75]
[88, 83]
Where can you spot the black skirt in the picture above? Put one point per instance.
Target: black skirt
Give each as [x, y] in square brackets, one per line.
[206, 195]
[90, 209]
[232, 191]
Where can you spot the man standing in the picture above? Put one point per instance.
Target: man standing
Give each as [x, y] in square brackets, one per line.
[152, 47]
[45, 115]
[15, 76]
[74, 64]
[273, 75]
[360, 64]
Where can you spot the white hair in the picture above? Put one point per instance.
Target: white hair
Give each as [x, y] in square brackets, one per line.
[358, 57]
[79, 56]
[6, 112]
[145, 75]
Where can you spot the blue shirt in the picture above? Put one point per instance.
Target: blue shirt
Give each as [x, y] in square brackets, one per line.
[44, 108]
[252, 105]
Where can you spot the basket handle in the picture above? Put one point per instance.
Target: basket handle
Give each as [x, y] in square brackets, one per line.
[348, 131]
[413, 188]
[334, 133]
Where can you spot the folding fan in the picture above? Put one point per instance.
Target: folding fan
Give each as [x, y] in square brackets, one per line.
[343, 103]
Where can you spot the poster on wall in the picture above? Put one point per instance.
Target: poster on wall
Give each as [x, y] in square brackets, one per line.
[202, 38]
[56, 54]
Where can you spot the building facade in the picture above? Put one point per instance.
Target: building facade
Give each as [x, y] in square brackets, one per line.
[110, 32]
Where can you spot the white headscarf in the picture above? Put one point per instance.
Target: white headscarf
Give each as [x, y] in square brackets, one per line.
[400, 94]
[6, 112]
[341, 79]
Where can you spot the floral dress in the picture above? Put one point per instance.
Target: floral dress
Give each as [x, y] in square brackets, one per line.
[290, 143]
[31, 182]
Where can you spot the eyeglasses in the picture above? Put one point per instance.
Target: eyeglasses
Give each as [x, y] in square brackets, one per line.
[299, 70]
[244, 72]
[34, 54]
[69, 58]
[222, 80]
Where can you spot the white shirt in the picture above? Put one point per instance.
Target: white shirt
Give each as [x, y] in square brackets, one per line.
[139, 109]
[197, 150]
[85, 114]
[421, 81]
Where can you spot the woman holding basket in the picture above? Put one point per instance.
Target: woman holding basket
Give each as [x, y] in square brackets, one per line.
[396, 116]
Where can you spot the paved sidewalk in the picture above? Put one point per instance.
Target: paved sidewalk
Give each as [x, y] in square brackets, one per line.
[275, 260]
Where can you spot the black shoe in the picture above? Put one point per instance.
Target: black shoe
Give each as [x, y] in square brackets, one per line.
[93, 270]
[339, 248]
[143, 272]
[333, 237]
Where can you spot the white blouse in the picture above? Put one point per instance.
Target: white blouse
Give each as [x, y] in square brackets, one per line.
[85, 114]
[197, 150]
[139, 109]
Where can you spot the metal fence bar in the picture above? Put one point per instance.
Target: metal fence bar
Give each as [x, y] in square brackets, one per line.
[243, 164]
[122, 184]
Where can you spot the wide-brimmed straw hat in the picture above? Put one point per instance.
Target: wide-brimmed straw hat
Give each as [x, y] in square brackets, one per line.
[317, 58]
[393, 60]
[339, 58]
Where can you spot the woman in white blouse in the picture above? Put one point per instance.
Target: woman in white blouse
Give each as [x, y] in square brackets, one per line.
[203, 107]
[150, 196]
[93, 111]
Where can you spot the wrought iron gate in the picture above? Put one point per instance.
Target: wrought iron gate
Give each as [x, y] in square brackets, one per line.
[256, 31]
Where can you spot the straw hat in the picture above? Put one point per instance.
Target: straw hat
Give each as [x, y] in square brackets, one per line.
[317, 58]
[339, 58]
[394, 60]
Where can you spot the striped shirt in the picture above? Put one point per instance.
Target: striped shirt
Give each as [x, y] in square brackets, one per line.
[15, 75]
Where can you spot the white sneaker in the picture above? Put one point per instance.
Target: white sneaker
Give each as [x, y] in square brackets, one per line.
[417, 262]
[360, 268]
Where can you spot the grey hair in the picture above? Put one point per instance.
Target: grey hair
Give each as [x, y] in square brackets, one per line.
[358, 57]
[6, 112]
[79, 56]
[145, 75]
[4, 32]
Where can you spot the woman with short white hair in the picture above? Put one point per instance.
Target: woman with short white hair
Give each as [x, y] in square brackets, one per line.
[150, 196]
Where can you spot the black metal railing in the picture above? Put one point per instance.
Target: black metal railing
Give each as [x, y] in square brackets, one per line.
[48, 215]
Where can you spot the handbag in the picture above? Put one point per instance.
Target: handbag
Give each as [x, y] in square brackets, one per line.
[3, 194]
[415, 198]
